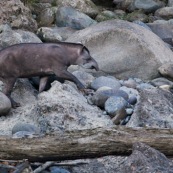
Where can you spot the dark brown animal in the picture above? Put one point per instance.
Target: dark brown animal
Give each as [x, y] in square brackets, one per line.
[42, 59]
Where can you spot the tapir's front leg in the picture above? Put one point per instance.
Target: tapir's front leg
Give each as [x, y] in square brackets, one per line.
[8, 86]
[68, 76]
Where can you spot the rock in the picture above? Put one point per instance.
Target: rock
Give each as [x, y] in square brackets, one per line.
[170, 3]
[100, 96]
[5, 104]
[164, 31]
[125, 4]
[165, 13]
[115, 105]
[55, 34]
[17, 15]
[48, 34]
[84, 6]
[47, 16]
[144, 86]
[145, 159]
[105, 81]
[111, 42]
[148, 6]
[166, 70]
[131, 92]
[161, 81]
[20, 126]
[55, 169]
[69, 17]
[84, 77]
[106, 15]
[132, 100]
[153, 109]
[62, 107]
[9, 37]
[108, 164]
[130, 83]
[137, 15]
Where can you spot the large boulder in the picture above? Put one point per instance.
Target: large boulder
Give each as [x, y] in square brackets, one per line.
[64, 108]
[145, 159]
[153, 109]
[17, 15]
[124, 49]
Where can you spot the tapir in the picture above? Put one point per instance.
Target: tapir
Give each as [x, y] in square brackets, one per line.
[27, 60]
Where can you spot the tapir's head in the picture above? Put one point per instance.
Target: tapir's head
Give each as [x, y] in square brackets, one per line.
[85, 60]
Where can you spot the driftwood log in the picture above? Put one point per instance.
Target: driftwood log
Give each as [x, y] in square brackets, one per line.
[88, 143]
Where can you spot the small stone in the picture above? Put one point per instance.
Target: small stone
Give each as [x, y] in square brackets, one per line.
[129, 83]
[105, 81]
[25, 127]
[161, 81]
[129, 111]
[132, 100]
[115, 104]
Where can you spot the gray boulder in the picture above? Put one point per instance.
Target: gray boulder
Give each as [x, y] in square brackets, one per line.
[47, 34]
[165, 13]
[145, 159]
[166, 70]
[17, 15]
[9, 37]
[105, 81]
[153, 109]
[124, 49]
[170, 3]
[69, 17]
[64, 108]
[148, 6]
[164, 31]
[84, 6]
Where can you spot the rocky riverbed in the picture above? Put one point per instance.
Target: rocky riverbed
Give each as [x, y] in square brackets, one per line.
[132, 42]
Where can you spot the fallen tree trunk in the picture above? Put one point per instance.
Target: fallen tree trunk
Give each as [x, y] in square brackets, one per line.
[88, 143]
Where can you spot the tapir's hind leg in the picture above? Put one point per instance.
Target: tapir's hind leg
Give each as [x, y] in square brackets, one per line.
[8, 86]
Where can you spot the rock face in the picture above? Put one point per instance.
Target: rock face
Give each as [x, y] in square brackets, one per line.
[154, 109]
[124, 49]
[69, 17]
[17, 15]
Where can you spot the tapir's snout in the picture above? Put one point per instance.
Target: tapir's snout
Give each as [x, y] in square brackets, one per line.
[91, 64]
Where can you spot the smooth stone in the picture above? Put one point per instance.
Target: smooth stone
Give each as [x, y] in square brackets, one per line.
[105, 81]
